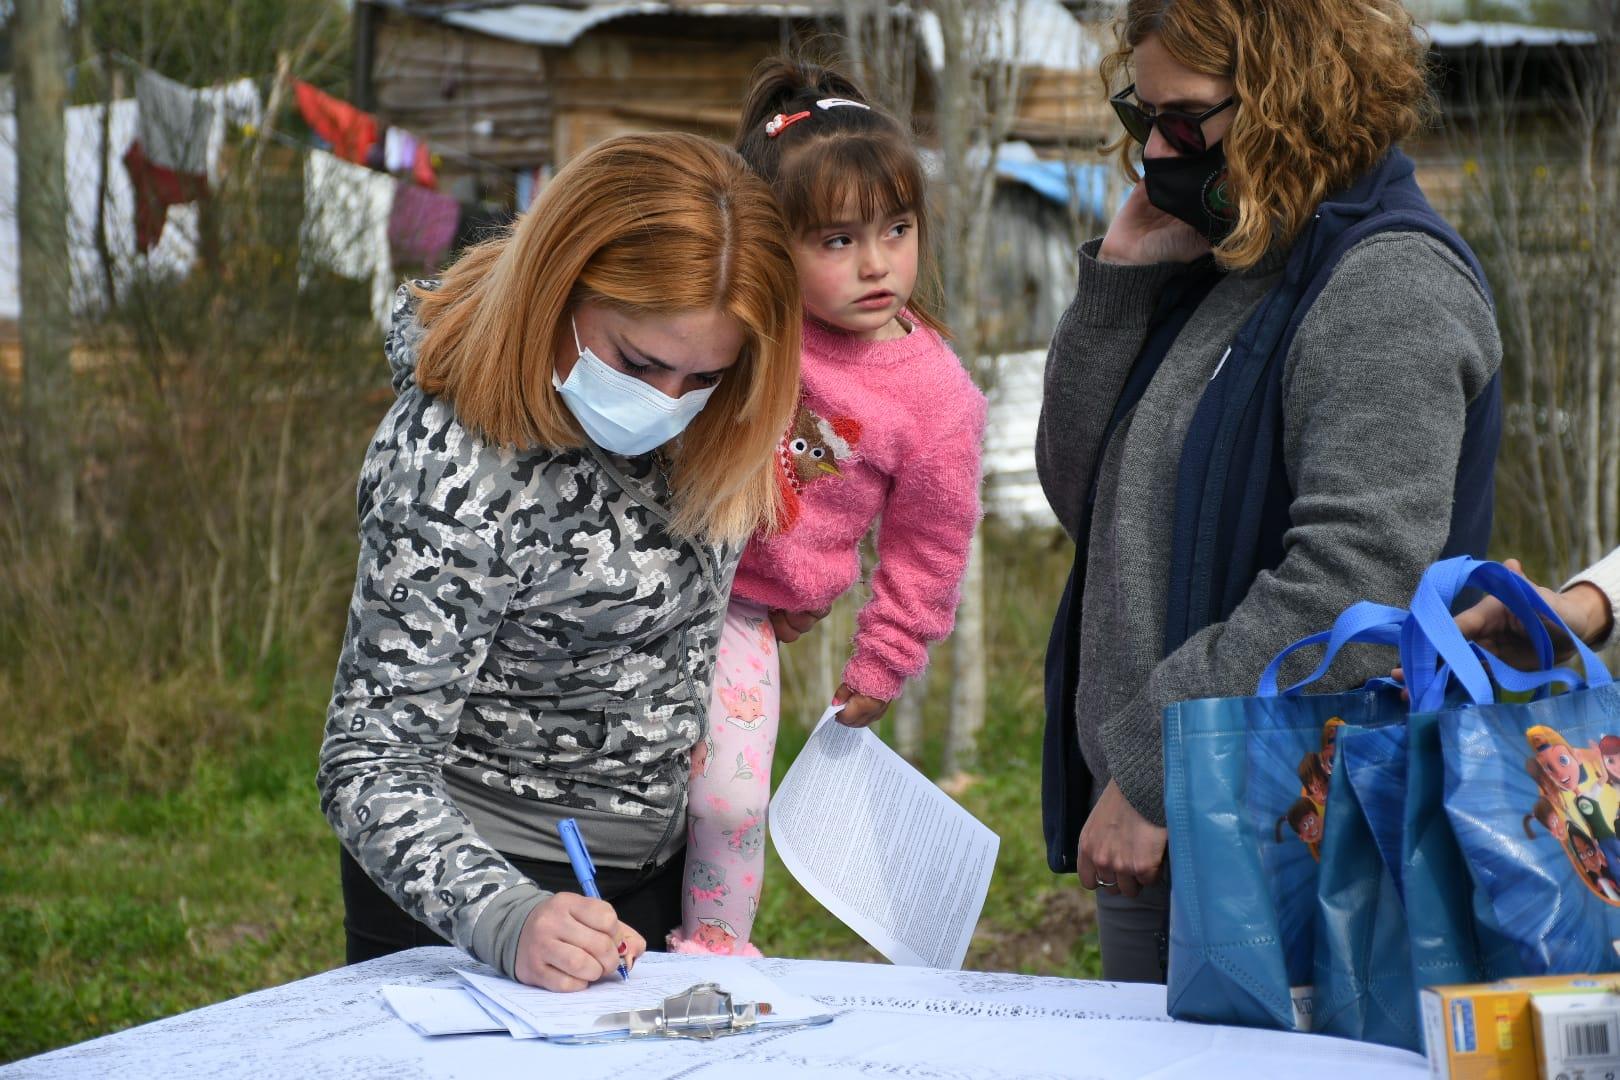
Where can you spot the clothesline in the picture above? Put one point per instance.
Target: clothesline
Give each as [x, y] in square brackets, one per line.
[140, 163]
[136, 67]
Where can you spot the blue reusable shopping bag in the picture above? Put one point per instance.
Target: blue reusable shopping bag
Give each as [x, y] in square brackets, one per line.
[1362, 975]
[1534, 800]
[1390, 921]
[1246, 790]
[1534, 803]
[1449, 944]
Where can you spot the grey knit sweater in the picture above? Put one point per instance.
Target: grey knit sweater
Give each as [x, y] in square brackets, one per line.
[1376, 386]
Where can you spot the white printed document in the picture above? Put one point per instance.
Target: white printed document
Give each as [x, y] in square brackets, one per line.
[442, 1009]
[881, 847]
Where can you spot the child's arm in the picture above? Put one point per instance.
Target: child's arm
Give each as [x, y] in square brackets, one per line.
[924, 538]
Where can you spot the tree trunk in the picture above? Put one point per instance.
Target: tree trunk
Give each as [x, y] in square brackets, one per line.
[968, 697]
[975, 104]
[908, 719]
[39, 43]
[829, 665]
[1609, 165]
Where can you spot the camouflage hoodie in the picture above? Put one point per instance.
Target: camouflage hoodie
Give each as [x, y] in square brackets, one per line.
[527, 641]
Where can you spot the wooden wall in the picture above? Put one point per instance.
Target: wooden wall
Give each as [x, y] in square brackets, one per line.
[522, 106]
[658, 74]
[1064, 108]
[466, 93]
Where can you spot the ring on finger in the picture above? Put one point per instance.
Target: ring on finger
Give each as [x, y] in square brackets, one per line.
[1101, 884]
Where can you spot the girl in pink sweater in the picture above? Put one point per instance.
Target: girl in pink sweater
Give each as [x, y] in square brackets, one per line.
[889, 430]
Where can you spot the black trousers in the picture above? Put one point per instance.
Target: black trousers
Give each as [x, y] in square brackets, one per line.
[647, 900]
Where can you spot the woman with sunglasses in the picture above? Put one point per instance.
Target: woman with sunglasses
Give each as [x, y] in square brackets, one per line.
[1274, 393]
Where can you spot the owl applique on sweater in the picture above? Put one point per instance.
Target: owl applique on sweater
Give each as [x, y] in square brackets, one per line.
[812, 451]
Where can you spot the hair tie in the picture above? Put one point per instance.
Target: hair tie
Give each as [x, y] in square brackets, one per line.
[779, 123]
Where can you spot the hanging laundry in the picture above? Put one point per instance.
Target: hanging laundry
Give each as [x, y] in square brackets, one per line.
[175, 124]
[399, 150]
[404, 153]
[157, 189]
[100, 195]
[346, 214]
[351, 132]
[422, 226]
[422, 168]
[236, 105]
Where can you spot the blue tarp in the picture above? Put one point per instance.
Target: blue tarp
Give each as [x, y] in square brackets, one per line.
[1058, 181]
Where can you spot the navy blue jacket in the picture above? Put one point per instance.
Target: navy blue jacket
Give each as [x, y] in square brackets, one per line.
[1232, 493]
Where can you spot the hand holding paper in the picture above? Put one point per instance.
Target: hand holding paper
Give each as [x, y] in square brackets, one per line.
[881, 847]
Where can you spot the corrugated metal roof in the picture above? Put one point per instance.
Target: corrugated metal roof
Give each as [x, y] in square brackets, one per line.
[1034, 33]
[1499, 35]
[543, 24]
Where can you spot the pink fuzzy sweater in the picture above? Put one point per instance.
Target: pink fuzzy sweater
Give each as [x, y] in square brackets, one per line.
[890, 430]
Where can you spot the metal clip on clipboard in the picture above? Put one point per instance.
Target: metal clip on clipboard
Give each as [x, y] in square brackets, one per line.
[704, 1011]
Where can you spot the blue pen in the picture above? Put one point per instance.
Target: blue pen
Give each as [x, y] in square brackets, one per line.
[584, 869]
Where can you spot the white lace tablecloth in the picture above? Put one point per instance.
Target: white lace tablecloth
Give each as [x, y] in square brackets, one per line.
[914, 1023]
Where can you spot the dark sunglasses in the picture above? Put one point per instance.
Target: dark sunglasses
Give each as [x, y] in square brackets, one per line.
[1183, 131]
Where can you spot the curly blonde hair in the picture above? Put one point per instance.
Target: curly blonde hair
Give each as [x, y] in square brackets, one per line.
[1325, 88]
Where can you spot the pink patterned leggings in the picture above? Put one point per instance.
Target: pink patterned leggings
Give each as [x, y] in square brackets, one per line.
[731, 788]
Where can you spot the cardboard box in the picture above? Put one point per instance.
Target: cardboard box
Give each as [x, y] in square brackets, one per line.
[1486, 1031]
[1577, 1035]
[1481, 1031]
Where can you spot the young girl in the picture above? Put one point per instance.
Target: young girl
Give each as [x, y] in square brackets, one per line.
[888, 429]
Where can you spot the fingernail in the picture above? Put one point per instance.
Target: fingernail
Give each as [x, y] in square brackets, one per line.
[622, 948]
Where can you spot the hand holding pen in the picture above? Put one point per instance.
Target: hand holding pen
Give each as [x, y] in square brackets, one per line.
[570, 941]
[585, 870]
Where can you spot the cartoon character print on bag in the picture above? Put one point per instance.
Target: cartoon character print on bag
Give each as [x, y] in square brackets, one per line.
[524, 622]
[812, 451]
[1305, 818]
[1306, 815]
[1580, 799]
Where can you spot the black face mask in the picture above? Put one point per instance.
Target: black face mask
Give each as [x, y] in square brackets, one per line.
[1193, 188]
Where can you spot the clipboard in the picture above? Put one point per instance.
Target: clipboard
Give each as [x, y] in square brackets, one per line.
[704, 1011]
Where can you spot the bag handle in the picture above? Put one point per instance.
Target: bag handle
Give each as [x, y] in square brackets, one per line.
[1431, 611]
[1363, 622]
[1435, 595]
[1515, 681]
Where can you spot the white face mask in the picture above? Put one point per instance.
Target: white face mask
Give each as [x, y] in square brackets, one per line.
[620, 412]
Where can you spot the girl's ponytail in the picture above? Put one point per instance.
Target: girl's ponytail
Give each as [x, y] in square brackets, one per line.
[785, 84]
[836, 156]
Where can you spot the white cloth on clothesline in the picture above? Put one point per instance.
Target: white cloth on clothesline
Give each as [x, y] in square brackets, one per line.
[236, 103]
[175, 123]
[346, 211]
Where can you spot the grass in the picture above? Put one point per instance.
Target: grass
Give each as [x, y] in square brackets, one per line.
[121, 904]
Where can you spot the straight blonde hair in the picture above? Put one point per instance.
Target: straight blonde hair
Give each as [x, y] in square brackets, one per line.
[648, 225]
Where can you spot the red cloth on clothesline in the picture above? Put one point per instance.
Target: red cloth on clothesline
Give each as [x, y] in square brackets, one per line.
[157, 189]
[422, 168]
[351, 132]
